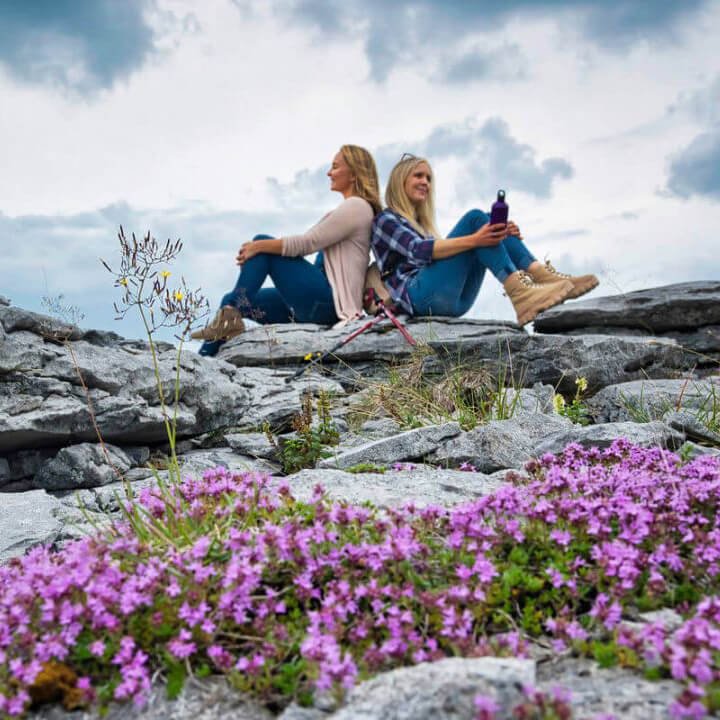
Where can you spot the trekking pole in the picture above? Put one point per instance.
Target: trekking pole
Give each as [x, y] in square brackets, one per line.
[381, 313]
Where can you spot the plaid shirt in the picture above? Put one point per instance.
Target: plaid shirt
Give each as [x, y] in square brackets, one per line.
[400, 252]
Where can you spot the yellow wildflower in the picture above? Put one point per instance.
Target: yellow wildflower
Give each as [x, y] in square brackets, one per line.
[558, 403]
[178, 296]
[581, 383]
[123, 282]
[308, 357]
[165, 273]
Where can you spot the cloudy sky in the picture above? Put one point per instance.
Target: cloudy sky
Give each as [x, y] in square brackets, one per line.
[212, 121]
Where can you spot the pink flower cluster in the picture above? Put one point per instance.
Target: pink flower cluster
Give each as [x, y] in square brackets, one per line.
[240, 577]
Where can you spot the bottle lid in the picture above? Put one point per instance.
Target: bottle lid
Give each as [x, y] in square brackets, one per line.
[501, 195]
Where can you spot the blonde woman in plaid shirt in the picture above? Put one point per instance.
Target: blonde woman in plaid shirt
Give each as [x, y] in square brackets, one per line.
[427, 274]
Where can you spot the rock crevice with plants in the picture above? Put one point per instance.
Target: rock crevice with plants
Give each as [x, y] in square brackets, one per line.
[509, 525]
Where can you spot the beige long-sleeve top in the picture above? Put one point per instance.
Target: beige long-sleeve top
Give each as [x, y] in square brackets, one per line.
[344, 237]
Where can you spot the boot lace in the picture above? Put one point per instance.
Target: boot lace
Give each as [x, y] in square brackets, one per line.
[551, 269]
[526, 279]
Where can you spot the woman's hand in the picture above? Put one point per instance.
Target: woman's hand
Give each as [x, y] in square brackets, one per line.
[513, 229]
[247, 251]
[490, 235]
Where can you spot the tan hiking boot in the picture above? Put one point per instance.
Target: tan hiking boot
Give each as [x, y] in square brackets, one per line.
[546, 273]
[529, 298]
[227, 324]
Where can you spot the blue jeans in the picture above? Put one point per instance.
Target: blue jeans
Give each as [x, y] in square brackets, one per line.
[451, 285]
[302, 292]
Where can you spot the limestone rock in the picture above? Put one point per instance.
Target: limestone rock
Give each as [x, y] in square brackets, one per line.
[423, 486]
[408, 445]
[290, 344]
[26, 520]
[643, 400]
[253, 444]
[502, 444]
[443, 690]
[208, 699]
[557, 360]
[652, 434]
[381, 427]
[692, 427]
[611, 691]
[22, 467]
[538, 399]
[82, 466]
[14, 318]
[671, 307]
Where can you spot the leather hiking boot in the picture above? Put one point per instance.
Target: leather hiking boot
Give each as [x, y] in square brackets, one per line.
[546, 273]
[529, 298]
[225, 325]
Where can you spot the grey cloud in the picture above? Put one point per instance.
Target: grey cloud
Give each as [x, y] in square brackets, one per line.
[308, 188]
[408, 29]
[695, 170]
[702, 105]
[81, 45]
[504, 63]
[492, 158]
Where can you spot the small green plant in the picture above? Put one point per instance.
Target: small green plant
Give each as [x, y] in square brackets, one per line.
[311, 440]
[367, 468]
[685, 452]
[575, 410]
[143, 278]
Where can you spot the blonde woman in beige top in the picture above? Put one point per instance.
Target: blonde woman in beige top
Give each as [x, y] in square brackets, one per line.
[327, 292]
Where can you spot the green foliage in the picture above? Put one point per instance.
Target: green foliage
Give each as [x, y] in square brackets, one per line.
[176, 675]
[367, 468]
[575, 410]
[605, 653]
[467, 393]
[312, 439]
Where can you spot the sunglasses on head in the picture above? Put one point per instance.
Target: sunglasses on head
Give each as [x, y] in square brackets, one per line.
[408, 156]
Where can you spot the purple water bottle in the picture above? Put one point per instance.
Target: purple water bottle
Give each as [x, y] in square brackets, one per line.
[499, 211]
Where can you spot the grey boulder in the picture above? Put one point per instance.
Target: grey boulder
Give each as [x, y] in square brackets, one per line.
[443, 690]
[643, 400]
[671, 307]
[422, 486]
[83, 466]
[652, 434]
[208, 699]
[408, 445]
[27, 519]
[502, 444]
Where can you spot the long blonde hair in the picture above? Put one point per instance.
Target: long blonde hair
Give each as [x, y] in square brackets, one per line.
[421, 217]
[362, 166]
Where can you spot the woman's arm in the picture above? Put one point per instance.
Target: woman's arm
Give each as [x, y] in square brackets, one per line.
[334, 227]
[486, 236]
[351, 215]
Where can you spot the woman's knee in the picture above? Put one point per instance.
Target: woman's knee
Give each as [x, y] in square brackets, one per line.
[476, 217]
[469, 223]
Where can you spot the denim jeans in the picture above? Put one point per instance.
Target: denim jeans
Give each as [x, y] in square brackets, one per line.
[302, 292]
[451, 285]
